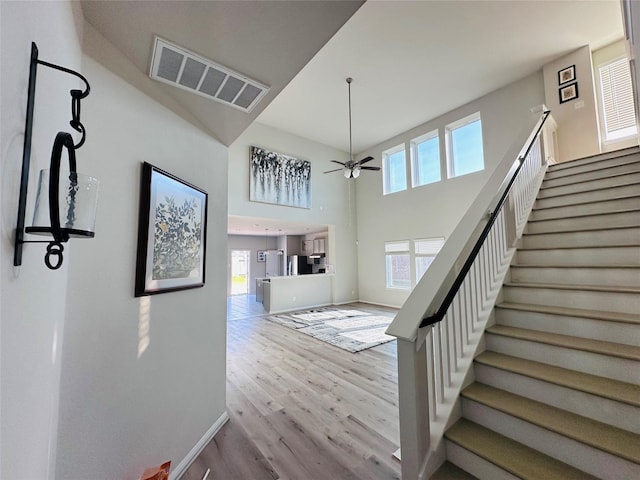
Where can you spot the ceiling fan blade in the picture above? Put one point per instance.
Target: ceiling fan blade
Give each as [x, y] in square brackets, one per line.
[336, 170]
[336, 161]
[365, 160]
[370, 168]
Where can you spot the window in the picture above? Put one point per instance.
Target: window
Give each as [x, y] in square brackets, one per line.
[426, 251]
[616, 99]
[464, 146]
[425, 159]
[394, 170]
[398, 264]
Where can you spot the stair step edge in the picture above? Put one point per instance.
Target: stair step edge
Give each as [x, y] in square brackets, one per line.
[604, 387]
[582, 167]
[573, 312]
[594, 214]
[589, 202]
[604, 177]
[600, 266]
[624, 152]
[607, 438]
[516, 458]
[562, 286]
[608, 187]
[611, 349]
[633, 167]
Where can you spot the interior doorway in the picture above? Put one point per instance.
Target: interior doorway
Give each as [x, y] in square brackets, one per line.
[240, 272]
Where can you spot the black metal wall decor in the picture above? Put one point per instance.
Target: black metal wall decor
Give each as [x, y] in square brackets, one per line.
[65, 208]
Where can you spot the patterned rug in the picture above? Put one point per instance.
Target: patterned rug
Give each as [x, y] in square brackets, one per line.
[351, 330]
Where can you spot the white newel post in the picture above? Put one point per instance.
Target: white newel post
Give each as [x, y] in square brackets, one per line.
[414, 407]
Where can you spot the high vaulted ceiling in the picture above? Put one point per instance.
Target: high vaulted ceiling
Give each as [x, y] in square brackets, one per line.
[411, 61]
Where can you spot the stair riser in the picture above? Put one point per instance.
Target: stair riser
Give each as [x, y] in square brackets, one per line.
[591, 196]
[555, 172]
[607, 331]
[605, 206]
[616, 181]
[604, 410]
[622, 277]
[595, 238]
[608, 301]
[587, 362]
[592, 175]
[612, 220]
[474, 464]
[588, 459]
[587, 257]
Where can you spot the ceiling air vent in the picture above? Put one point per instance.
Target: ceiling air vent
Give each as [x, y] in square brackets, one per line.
[184, 69]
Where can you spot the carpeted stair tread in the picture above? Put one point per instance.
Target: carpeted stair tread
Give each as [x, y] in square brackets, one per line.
[613, 440]
[566, 286]
[517, 459]
[596, 158]
[589, 202]
[573, 312]
[449, 471]
[593, 214]
[612, 349]
[595, 385]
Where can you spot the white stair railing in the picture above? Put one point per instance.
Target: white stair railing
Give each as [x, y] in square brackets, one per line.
[440, 325]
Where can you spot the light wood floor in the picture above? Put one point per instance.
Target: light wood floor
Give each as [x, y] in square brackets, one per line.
[302, 409]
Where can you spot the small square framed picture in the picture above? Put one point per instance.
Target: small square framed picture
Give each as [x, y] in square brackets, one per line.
[567, 75]
[569, 92]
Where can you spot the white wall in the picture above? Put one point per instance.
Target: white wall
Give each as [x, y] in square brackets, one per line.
[433, 210]
[332, 201]
[143, 379]
[32, 298]
[252, 243]
[578, 131]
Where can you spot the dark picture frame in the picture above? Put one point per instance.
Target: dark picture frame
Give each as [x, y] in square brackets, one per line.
[172, 233]
[567, 75]
[568, 93]
[262, 256]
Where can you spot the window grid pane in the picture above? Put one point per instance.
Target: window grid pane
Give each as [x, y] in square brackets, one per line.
[617, 99]
[427, 162]
[395, 173]
[466, 149]
[398, 271]
[422, 263]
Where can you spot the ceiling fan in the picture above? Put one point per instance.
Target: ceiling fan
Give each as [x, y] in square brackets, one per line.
[352, 168]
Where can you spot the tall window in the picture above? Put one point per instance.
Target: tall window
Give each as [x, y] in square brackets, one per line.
[464, 146]
[425, 159]
[398, 264]
[394, 170]
[616, 98]
[425, 251]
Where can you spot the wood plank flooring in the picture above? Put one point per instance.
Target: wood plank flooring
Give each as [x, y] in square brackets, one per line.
[301, 409]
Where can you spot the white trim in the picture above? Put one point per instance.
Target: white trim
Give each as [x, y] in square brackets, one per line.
[182, 467]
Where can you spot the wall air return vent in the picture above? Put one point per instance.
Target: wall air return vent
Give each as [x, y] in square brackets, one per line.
[184, 69]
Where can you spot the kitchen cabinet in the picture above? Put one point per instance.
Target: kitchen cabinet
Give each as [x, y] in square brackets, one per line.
[318, 245]
[306, 247]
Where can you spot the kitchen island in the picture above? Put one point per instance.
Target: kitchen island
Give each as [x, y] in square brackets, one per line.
[296, 292]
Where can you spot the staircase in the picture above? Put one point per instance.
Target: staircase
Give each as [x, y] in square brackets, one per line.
[556, 392]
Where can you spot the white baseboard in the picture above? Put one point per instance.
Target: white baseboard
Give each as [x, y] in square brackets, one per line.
[179, 470]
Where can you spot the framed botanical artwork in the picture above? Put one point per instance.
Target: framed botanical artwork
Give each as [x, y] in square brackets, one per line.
[172, 234]
[567, 75]
[569, 92]
[279, 179]
[262, 255]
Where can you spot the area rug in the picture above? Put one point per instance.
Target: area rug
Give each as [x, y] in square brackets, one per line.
[348, 329]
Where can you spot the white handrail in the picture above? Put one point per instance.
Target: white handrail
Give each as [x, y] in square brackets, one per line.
[432, 362]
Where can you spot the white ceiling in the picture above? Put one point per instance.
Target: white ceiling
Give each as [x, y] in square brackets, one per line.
[271, 227]
[411, 60]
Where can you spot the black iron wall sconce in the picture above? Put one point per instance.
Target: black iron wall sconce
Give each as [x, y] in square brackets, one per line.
[65, 207]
